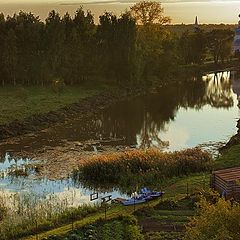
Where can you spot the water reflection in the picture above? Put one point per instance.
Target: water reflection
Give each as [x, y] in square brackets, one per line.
[178, 116]
[219, 90]
[69, 191]
[168, 118]
[171, 117]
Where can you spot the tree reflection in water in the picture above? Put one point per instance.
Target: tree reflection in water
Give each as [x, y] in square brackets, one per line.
[142, 120]
[235, 80]
[219, 90]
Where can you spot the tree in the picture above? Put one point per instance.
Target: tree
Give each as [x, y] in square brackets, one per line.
[153, 55]
[192, 47]
[2, 43]
[83, 37]
[156, 50]
[149, 12]
[215, 221]
[54, 40]
[10, 55]
[117, 41]
[219, 42]
[28, 32]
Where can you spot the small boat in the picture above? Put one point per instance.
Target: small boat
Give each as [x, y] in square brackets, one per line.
[135, 199]
[151, 194]
[144, 196]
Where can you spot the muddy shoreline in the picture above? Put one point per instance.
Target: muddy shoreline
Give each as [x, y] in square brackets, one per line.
[83, 109]
[89, 106]
[58, 161]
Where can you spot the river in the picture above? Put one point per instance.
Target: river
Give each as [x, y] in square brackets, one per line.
[199, 112]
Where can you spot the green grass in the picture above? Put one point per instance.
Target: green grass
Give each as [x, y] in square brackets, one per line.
[230, 158]
[123, 227]
[17, 103]
[179, 187]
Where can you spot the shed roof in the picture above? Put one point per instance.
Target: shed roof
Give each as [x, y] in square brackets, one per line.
[229, 174]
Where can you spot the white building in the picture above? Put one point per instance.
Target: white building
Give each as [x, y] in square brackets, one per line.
[236, 43]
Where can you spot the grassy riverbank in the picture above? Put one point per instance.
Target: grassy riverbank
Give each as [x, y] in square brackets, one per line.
[18, 103]
[171, 212]
[229, 158]
[177, 192]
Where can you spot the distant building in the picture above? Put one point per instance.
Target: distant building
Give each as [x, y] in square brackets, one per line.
[196, 25]
[236, 43]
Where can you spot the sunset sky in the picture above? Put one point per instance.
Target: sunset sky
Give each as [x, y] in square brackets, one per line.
[181, 11]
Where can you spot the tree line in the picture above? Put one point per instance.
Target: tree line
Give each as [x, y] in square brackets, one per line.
[134, 48]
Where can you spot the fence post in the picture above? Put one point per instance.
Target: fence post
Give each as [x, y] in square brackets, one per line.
[72, 222]
[36, 230]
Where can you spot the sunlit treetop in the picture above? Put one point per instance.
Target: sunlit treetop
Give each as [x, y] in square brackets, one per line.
[149, 12]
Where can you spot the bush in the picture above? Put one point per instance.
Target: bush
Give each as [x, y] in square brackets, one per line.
[215, 221]
[209, 195]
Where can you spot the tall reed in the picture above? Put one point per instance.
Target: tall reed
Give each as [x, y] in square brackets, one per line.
[28, 214]
[143, 166]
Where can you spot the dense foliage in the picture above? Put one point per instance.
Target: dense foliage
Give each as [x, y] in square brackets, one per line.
[73, 49]
[139, 167]
[215, 221]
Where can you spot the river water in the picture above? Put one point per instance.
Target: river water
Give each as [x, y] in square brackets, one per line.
[202, 111]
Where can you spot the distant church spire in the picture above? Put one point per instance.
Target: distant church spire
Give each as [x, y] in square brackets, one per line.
[196, 25]
[196, 21]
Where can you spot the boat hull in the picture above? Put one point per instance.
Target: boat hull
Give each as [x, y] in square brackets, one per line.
[133, 202]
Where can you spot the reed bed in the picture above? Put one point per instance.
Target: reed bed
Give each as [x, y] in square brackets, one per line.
[22, 215]
[142, 167]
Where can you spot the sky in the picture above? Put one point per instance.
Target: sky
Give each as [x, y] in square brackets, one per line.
[181, 11]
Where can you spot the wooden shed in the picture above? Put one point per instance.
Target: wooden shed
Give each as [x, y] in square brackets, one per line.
[227, 182]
